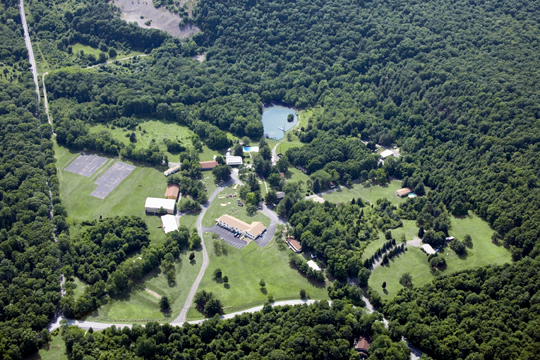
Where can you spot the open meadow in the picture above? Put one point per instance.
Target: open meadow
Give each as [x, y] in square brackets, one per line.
[141, 305]
[368, 192]
[415, 261]
[245, 268]
[55, 350]
[127, 198]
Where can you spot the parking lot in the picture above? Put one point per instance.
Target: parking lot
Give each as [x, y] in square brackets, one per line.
[228, 236]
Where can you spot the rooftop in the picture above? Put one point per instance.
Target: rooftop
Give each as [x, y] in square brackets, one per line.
[208, 164]
[234, 160]
[172, 191]
[256, 228]
[387, 153]
[294, 243]
[428, 249]
[312, 264]
[156, 203]
[403, 192]
[169, 223]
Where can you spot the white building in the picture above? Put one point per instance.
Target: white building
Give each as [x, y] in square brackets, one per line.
[152, 205]
[312, 264]
[169, 223]
[252, 231]
[386, 153]
[428, 249]
[233, 160]
[172, 170]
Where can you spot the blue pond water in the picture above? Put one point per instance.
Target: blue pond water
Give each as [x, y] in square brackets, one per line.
[274, 117]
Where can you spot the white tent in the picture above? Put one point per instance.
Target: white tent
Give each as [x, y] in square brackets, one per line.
[428, 249]
[386, 153]
[312, 264]
[169, 223]
[152, 205]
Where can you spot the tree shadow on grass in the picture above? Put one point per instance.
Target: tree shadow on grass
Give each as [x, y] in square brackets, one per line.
[264, 291]
[227, 286]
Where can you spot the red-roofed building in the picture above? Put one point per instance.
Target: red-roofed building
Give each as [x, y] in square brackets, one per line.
[362, 347]
[208, 165]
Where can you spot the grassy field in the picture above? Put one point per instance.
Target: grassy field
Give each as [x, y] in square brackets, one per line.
[216, 210]
[245, 268]
[368, 192]
[56, 350]
[79, 290]
[127, 199]
[414, 261]
[140, 304]
[151, 132]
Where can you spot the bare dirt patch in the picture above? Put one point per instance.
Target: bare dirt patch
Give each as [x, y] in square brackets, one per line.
[153, 293]
[161, 18]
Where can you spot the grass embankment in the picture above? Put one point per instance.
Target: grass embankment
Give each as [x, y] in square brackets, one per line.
[245, 268]
[141, 305]
[414, 261]
[368, 192]
[216, 209]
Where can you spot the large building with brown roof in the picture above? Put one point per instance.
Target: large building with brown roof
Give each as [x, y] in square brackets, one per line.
[294, 245]
[208, 165]
[403, 192]
[252, 231]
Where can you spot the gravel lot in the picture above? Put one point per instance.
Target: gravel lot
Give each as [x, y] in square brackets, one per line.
[111, 179]
[86, 165]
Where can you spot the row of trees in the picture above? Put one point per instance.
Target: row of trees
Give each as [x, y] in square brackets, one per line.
[319, 331]
[29, 264]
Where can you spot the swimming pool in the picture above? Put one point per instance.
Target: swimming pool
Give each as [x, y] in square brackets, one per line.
[251, 149]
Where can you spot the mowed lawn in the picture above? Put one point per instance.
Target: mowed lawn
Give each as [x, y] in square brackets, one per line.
[127, 198]
[216, 209]
[141, 305]
[156, 132]
[55, 350]
[368, 192]
[414, 261]
[245, 268]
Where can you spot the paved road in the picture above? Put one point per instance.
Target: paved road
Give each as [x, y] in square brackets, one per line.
[29, 47]
[183, 313]
[101, 326]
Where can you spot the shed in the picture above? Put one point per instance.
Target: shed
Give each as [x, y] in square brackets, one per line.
[386, 153]
[312, 264]
[448, 239]
[169, 223]
[294, 244]
[172, 191]
[280, 195]
[234, 160]
[428, 249]
[208, 165]
[403, 192]
[152, 205]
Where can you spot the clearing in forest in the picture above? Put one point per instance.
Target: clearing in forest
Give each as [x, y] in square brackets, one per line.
[415, 262]
[244, 270]
[143, 12]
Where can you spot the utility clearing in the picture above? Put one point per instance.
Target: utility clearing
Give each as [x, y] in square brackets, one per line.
[143, 12]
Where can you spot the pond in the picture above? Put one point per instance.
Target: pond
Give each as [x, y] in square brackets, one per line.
[274, 120]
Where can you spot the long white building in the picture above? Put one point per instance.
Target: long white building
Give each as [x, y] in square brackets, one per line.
[152, 205]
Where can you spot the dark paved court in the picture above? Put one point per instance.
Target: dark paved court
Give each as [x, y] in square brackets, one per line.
[111, 179]
[86, 165]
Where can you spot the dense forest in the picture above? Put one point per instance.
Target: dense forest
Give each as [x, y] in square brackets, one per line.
[452, 83]
[460, 103]
[488, 313]
[29, 259]
[313, 332]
